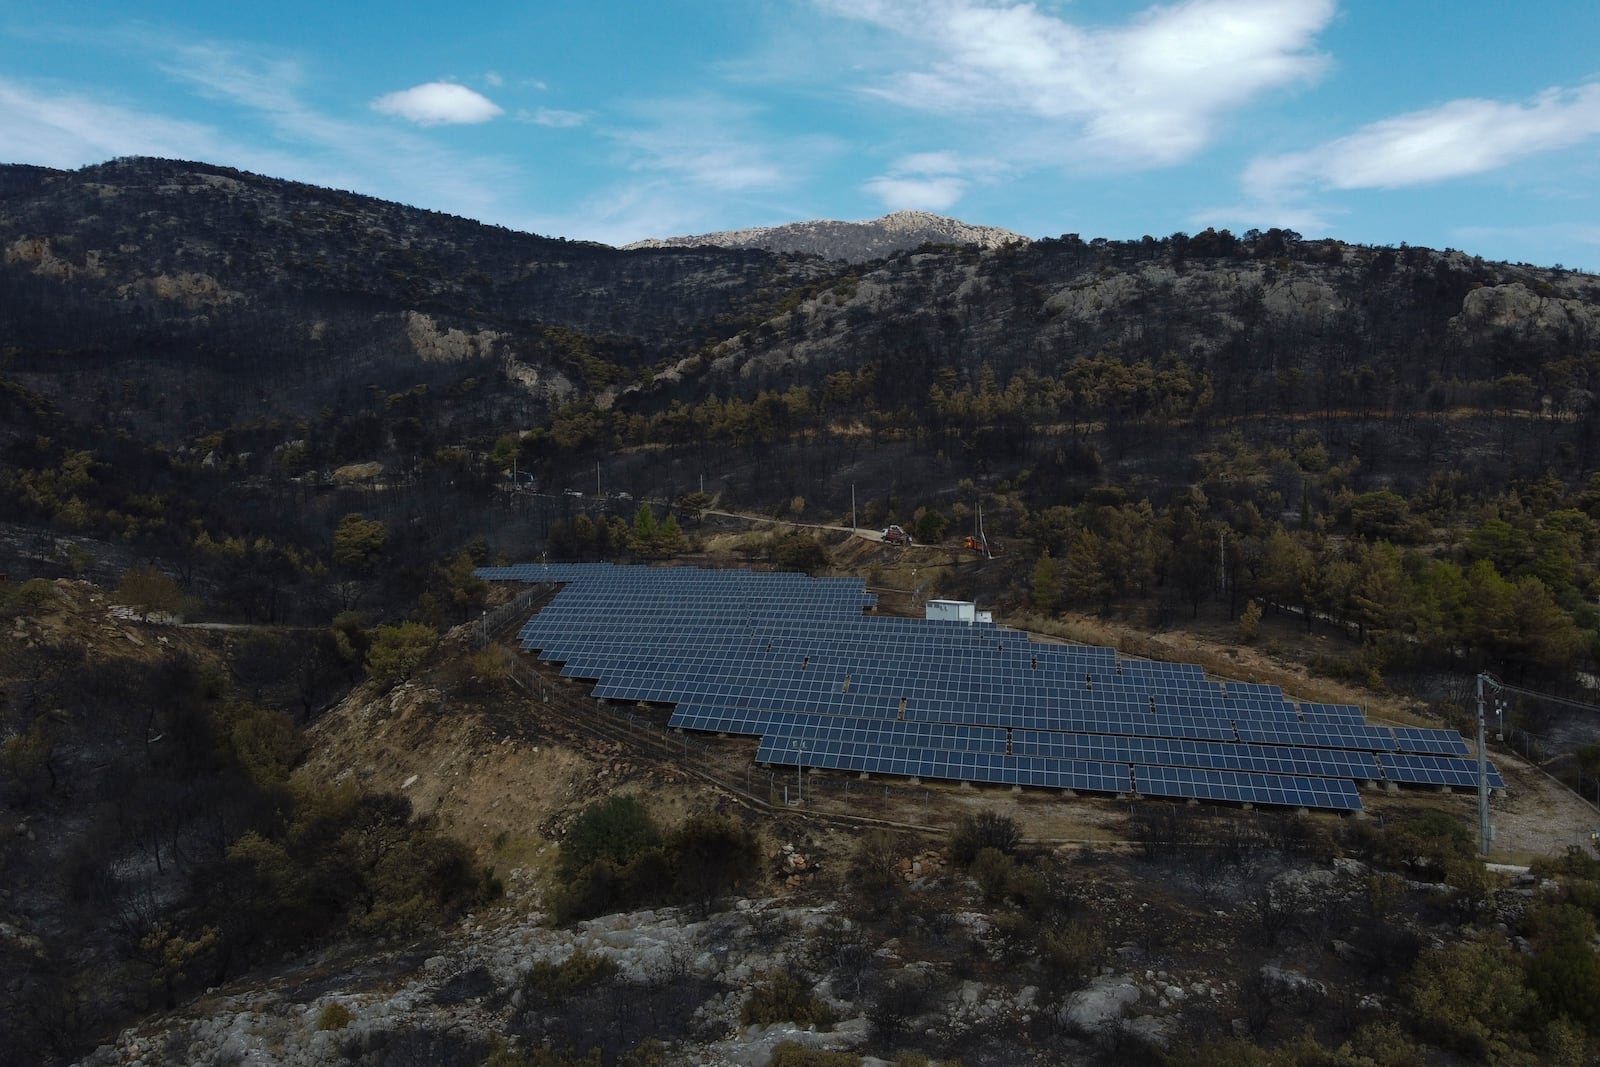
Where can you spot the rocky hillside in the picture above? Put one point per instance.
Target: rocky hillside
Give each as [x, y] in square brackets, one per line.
[874, 942]
[229, 292]
[1312, 324]
[214, 282]
[853, 242]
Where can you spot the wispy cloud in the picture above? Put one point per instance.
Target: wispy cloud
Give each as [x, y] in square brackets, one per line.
[927, 181]
[438, 104]
[692, 164]
[1147, 93]
[1455, 140]
[310, 143]
[630, 211]
[71, 129]
[715, 145]
[266, 84]
[553, 117]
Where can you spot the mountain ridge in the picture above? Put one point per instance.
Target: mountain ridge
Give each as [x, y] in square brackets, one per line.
[853, 242]
[277, 297]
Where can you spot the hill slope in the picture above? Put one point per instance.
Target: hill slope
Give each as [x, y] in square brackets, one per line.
[231, 292]
[185, 269]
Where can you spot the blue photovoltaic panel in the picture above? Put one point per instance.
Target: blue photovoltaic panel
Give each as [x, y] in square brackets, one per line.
[1247, 788]
[1430, 742]
[1347, 714]
[1268, 759]
[802, 661]
[1256, 690]
[798, 727]
[912, 762]
[1436, 770]
[1318, 735]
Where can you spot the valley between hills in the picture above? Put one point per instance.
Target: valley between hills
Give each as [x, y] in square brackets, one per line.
[269, 797]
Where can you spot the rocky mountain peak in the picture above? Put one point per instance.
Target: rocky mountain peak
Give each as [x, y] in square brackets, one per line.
[854, 242]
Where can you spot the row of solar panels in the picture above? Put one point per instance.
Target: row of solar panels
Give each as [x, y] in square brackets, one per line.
[847, 628]
[734, 654]
[663, 651]
[783, 689]
[1113, 774]
[800, 636]
[602, 573]
[1096, 776]
[739, 650]
[642, 585]
[804, 729]
[730, 659]
[665, 600]
[824, 674]
[1365, 765]
[1012, 687]
[1008, 707]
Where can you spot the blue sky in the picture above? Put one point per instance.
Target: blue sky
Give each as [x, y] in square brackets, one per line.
[1470, 125]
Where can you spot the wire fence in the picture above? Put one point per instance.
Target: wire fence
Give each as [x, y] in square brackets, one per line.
[763, 787]
[1530, 747]
[831, 796]
[492, 624]
[597, 719]
[1555, 761]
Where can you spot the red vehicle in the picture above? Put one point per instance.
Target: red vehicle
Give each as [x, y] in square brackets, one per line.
[893, 535]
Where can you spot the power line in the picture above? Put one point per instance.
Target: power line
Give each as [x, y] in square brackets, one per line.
[1580, 705]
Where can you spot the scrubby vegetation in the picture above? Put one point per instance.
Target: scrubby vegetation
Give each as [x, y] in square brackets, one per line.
[193, 854]
[614, 857]
[1389, 452]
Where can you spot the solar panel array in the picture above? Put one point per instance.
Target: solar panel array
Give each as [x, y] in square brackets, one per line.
[802, 664]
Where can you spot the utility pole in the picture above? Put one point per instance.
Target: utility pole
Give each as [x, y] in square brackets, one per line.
[799, 774]
[1485, 831]
[852, 507]
[1222, 564]
[597, 480]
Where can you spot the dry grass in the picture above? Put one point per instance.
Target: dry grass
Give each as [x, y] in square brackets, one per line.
[1227, 661]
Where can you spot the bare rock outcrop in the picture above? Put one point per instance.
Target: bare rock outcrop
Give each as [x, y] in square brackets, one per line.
[1516, 306]
[451, 345]
[854, 242]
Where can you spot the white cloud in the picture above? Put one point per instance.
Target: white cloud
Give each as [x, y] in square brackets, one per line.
[922, 194]
[493, 79]
[926, 181]
[553, 117]
[1147, 93]
[1455, 140]
[438, 104]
